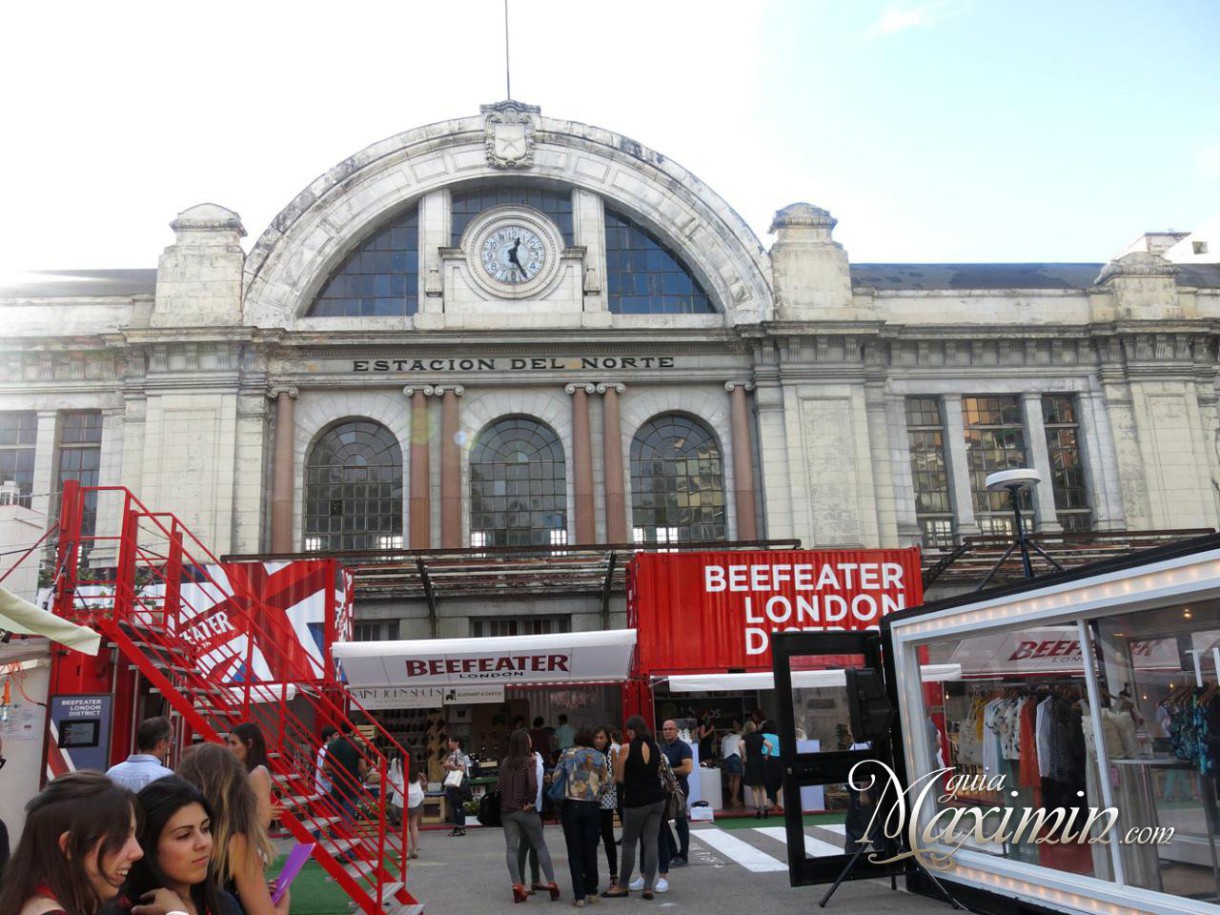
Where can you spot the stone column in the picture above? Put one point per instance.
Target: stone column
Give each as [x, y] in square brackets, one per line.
[959, 469]
[1040, 460]
[451, 467]
[419, 505]
[743, 460]
[45, 485]
[582, 460]
[615, 482]
[283, 471]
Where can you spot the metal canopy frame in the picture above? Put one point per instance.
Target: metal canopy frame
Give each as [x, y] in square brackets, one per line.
[431, 575]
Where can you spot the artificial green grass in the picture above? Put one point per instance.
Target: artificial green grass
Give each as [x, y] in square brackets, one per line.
[313, 894]
[748, 822]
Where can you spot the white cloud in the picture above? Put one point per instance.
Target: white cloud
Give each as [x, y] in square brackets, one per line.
[900, 18]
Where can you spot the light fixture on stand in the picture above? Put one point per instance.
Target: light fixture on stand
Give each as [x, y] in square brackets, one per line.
[1015, 482]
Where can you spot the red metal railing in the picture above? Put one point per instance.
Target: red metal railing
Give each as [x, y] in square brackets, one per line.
[167, 606]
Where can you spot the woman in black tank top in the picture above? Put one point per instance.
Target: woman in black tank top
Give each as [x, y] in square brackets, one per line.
[636, 772]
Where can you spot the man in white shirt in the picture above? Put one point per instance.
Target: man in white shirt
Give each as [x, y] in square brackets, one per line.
[153, 738]
[321, 783]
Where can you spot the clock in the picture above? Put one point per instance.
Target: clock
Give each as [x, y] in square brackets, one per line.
[513, 251]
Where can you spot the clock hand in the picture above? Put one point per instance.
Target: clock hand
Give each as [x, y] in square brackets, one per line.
[514, 260]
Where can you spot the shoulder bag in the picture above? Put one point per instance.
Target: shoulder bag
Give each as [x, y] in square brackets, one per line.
[675, 799]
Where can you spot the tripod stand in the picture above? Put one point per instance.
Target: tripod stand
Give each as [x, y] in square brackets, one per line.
[863, 806]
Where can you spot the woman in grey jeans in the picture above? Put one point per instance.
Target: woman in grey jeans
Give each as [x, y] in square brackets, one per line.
[518, 792]
[636, 772]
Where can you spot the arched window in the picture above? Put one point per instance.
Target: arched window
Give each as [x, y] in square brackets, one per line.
[518, 486]
[353, 488]
[677, 482]
[643, 276]
[379, 278]
[468, 202]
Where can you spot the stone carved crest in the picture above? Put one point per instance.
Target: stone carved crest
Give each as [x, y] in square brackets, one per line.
[509, 130]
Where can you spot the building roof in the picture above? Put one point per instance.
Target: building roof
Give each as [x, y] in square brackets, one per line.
[43, 284]
[1203, 275]
[975, 276]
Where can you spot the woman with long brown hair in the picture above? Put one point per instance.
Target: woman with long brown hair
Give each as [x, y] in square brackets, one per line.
[636, 771]
[518, 795]
[177, 873]
[76, 850]
[240, 847]
[247, 743]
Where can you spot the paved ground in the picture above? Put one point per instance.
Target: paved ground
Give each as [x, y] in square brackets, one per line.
[731, 872]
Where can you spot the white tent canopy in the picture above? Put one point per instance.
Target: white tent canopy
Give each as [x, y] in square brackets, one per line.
[20, 616]
[517, 660]
[801, 679]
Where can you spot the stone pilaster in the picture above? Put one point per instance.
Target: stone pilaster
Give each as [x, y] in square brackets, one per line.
[283, 469]
[615, 481]
[451, 467]
[419, 504]
[1039, 457]
[582, 460]
[959, 467]
[44, 464]
[743, 460]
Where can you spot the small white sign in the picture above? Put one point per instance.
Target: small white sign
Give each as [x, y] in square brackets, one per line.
[430, 697]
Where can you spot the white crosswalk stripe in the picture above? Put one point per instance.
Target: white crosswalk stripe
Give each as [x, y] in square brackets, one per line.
[738, 851]
[814, 846]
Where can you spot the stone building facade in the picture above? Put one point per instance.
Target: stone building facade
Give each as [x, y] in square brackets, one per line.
[509, 329]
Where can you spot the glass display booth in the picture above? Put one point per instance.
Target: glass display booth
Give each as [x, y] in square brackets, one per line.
[1058, 742]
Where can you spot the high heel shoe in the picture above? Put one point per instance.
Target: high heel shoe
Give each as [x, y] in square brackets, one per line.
[553, 889]
[520, 894]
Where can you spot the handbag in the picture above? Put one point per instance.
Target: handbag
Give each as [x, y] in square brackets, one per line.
[675, 799]
[489, 809]
[454, 778]
[559, 785]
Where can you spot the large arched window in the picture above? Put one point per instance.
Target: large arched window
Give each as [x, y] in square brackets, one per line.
[379, 278]
[518, 486]
[644, 276]
[468, 202]
[353, 488]
[677, 482]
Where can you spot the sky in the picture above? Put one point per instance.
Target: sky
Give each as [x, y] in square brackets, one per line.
[941, 131]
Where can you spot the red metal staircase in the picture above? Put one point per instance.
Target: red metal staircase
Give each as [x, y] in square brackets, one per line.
[193, 628]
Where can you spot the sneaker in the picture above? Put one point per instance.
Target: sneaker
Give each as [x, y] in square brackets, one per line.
[679, 861]
[662, 885]
[636, 884]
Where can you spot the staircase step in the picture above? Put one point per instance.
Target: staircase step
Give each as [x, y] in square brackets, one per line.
[299, 800]
[337, 847]
[319, 822]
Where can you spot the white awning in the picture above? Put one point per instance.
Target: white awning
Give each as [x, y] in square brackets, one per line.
[801, 679]
[517, 660]
[20, 616]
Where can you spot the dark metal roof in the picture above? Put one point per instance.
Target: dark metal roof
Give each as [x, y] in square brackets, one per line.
[975, 276]
[42, 284]
[1203, 275]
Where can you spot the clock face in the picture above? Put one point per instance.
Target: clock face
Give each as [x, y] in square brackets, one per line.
[513, 254]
